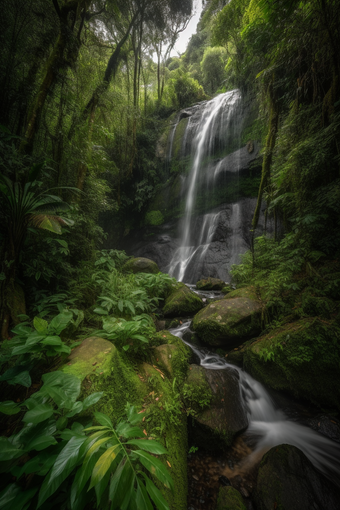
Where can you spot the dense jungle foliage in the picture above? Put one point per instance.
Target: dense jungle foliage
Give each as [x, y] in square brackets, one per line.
[87, 88]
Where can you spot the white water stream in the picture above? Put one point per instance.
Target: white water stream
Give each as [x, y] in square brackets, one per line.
[268, 425]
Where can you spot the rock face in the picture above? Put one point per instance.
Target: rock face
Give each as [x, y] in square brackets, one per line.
[230, 237]
[140, 265]
[181, 302]
[210, 284]
[229, 499]
[226, 415]
[287, 480]
[302, 358]
[230, 321]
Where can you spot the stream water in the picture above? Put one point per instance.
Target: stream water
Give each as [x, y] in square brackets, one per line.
[268, 424]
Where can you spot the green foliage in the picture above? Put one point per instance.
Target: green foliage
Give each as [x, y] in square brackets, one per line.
[133, 335]
[105, 461]
[184, 90]
[212, 65]
[154, 218]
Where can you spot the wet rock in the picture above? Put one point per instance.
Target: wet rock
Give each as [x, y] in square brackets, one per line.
[210, 284]
[327, 426]
[140, 265]
[303, 360]
[287, 480]
[228, 322]
[229, 499]
[216, 426]
[92, 356]
[181, 302]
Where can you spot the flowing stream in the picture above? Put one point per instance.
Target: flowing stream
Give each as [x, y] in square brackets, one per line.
[269, 426]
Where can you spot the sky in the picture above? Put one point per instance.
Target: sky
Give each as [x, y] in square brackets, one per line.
[184, 37]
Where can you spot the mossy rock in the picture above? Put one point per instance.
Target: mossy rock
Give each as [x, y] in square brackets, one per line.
[92, 356]
[228, 322]
[226, 289]
[287, 480]
[216, 425]
[210, 284]
[140, 265]
[230, 499]
[302, 358]
[244, 292]
[182, 302]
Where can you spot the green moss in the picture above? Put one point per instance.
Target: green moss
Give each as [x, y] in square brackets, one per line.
[302, 357]
[243, 292]
[140, 265]
[210, 284]
[154, 218]
[228, 321]
[229, 499]
[92, 357]
[182, 301]
[178, 138]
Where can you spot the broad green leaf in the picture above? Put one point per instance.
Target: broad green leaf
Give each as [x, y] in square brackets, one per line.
[82, 476]
[120, 305]
[76, 408]
[33, 431]
[60, 322]
[96, 446]
[34, 338]
[129, 482]
[100, 311]
[92, 399]
[40, 325]
[61, 349]
[103, 464]
[40, 443]
[38, 414]
[70, 384]
[120, 483]
[57, 394]
[103, 419]
[149, 445]
[101, 488]
[9, 407]
[63, 466]
[62, 423]
[124, 429]
[8, 451]
[52, 340]
[155, 494]
[23, 378]
[142, 499]
[8, 495]
[156, 468]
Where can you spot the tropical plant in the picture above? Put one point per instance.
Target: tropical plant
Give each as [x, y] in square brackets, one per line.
[107, 468]
[134, 334]
[24, 204]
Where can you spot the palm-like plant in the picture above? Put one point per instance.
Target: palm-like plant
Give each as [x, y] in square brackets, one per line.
[23, 204]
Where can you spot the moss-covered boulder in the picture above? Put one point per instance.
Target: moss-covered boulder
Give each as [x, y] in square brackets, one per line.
[181, 302]
[229, 499]
[215, 397]
[140, 265]
[210, 284]
[302, 358]
[248, 292]
[228, 322]
[287, 480]
[92, 357]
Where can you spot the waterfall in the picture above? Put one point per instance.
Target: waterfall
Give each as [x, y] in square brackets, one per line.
[213, 133]
[268, 425]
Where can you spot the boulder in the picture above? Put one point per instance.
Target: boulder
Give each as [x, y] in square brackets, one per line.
[210, 284]
[182, 302]
[92, 356]
[287, 480]
[300, 357]
[225, 417]
[140, 265]
[229, 499]
[228, 322]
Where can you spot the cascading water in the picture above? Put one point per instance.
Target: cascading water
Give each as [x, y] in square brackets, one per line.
[219, 124]
[268, 425]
